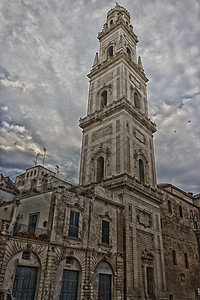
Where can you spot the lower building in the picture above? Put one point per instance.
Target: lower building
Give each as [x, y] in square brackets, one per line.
[64, 245]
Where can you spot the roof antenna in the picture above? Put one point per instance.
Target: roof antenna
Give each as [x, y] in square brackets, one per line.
[44, 155]
[36, 158]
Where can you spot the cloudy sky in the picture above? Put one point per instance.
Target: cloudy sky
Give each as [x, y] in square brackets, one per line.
[47, 48]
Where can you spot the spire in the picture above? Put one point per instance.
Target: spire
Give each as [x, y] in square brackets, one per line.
[96, 60]
[140, 63]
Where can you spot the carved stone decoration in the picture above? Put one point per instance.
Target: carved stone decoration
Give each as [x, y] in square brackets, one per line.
[147, 257]
[98, 134]
[139, 136]
[144, 218]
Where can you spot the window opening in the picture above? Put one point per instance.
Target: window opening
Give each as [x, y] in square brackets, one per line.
[111, 22]
[105, 232]
[69, 261]
[26, 255]
[141, 170]
[100, 168]
[174, 257]
[186, 261]
[32, 223]
[128, 52]
[150, 282]
[180, 211]
[136, 101]
[110, 51]
[73, 223]
[169, 206]
[104, 97]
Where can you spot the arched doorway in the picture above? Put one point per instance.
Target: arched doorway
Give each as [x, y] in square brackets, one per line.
[103, 281]
[68, 279]
[22, 275]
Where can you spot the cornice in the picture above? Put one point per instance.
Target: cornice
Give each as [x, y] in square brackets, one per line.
[120, 23]
[116, 106]
[130, 184]
[108, 64]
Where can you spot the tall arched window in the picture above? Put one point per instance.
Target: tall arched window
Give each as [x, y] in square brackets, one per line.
[104, 98]
[128, 52]
[141, 170]
[100, 168]
[136, 101]
[110, 51]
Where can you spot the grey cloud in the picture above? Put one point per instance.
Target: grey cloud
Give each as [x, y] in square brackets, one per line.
[47, 50]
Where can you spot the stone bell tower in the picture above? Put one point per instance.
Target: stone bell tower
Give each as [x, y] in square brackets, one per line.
[117, 133]
[118, 153]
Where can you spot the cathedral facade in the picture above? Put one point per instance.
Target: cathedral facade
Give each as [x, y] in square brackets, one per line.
[118, 235]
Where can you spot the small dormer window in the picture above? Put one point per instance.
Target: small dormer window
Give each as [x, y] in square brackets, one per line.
[110, 51]
[128, 52]
[111, 22]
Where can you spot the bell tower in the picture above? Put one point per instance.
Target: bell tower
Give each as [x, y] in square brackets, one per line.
[118, 152]
[117, 133]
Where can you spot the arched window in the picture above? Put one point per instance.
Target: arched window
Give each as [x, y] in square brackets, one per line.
[141, 170]
[128, 52]
[111, 22]
[136, 101]
[110, 51]
[104, 99]
[100, 168]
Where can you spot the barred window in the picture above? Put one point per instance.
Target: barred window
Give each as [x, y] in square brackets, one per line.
[26, 255]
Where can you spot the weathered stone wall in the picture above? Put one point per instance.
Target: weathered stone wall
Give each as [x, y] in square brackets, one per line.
[179, 237]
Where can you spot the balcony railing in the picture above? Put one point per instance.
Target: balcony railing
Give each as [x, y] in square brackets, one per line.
[31, 232]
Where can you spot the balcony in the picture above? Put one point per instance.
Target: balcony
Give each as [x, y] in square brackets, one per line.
[31, 232]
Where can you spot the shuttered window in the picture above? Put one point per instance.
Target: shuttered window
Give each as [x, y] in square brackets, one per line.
[105, 232]
[73, 223]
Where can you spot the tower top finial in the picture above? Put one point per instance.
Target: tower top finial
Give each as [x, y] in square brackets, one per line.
[116, 3]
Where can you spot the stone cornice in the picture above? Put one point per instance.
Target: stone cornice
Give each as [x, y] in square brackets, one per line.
[120, 23]
[117, 58]
[128, 183]
[115, 107]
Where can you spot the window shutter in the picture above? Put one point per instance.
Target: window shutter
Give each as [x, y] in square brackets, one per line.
[105, 232]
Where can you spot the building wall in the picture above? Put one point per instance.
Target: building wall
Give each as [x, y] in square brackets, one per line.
[180, 240]
[85, 253]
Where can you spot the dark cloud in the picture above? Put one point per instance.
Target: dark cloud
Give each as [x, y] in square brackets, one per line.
[47, 49]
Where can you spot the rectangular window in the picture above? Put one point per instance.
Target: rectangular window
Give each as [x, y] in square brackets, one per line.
[105, 232]
[180, 211]
[26, 255]
[73, 223]
[161, 222]
[186, 261]
[169, 206]
[32, 223]
[174, 257]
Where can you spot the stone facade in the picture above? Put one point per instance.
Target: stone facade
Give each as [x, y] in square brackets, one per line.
[180, 227]
[85, 253]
